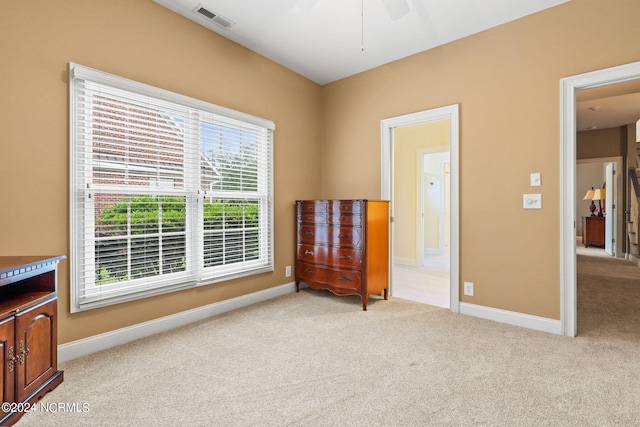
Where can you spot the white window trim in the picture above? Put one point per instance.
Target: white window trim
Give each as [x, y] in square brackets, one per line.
[195, 274]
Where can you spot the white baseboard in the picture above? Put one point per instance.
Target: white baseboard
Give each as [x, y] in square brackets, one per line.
[82, 347]
[537, 323]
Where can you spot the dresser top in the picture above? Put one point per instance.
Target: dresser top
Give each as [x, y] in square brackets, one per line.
[341, 200]
[15, 265]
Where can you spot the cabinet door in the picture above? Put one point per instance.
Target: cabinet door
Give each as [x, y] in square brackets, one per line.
[36, 337]
[7, 353]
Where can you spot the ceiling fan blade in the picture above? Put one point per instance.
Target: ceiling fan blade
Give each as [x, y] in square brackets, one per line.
[396, 8]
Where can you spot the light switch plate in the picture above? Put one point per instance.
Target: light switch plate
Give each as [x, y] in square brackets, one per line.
[535, 179]
[532, 201]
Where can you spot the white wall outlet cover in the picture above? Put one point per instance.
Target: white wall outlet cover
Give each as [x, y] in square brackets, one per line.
[468, 288]
[532, 201]
[535, 179]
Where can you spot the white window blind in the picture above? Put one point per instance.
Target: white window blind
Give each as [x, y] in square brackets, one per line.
[167, 191]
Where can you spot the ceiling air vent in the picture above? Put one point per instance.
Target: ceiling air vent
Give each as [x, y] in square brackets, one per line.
[214, 17]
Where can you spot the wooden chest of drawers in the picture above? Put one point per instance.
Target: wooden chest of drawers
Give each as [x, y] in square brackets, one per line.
[593, 231]
[343, 246]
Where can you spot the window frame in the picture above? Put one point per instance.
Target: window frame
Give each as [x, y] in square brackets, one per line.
[83, 222]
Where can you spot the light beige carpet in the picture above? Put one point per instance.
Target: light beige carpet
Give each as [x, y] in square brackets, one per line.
[314, 359]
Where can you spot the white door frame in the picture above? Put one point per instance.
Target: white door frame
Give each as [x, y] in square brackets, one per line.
[568, 88]
[386, 135]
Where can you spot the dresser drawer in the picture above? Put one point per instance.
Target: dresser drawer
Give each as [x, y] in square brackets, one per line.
[313, 254]
[334, 235]
[345, 219]
[345, 206]
[312, 234]
[346, 236]
[310, 273]
[312, 217]
[348, 280]
[339, 280]
[332, 256]
[345, 258]
[312, 206]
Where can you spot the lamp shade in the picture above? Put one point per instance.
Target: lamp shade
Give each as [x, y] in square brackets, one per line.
[599, 194]
[589, 195]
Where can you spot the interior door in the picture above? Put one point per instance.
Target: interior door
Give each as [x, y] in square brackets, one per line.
[610, 214]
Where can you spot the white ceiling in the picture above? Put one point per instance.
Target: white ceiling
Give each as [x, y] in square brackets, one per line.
[608, 106]
[323, 40]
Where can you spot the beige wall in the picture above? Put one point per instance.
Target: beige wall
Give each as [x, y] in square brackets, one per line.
[598, 143]
[143, 41]
[506, 81]
[407, 141]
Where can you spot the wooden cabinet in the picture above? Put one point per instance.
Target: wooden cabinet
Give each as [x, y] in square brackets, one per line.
[28, 332]
[593, 231]
[343, 246]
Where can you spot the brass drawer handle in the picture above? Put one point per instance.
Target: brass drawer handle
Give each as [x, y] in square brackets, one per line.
[308, 233]
[345, 257]
[308, 271]
[23, 352]
[348, 279]
[344, 236]
[11, 359]
[308, 253]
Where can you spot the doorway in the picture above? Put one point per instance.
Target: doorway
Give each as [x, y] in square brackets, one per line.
[389, 127]
[568, 137]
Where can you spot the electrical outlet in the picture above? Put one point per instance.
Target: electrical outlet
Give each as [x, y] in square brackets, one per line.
[287, 271]
[468, 288]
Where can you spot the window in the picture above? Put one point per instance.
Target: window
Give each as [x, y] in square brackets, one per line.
[167, 192]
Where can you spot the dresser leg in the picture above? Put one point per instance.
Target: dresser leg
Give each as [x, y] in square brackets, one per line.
[364, 302]
[386, 293]
[297, 286]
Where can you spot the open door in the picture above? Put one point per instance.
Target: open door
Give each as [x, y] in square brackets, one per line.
[610, 213]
